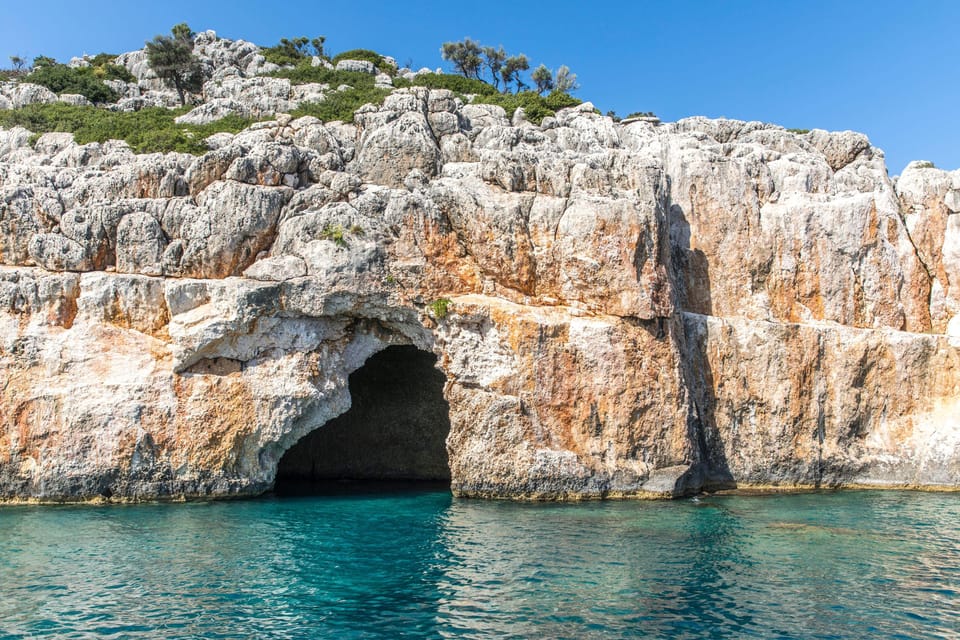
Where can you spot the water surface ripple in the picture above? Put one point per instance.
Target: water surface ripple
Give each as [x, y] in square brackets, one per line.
[422, 564]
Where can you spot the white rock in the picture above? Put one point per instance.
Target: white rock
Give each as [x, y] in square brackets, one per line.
[361, 66]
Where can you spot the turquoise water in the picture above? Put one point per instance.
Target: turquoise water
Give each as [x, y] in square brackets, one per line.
[422, 564]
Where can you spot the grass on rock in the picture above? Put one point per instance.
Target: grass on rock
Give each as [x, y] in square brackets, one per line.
[341, 105]
[535, 106]
[146, 131]
[305, 73]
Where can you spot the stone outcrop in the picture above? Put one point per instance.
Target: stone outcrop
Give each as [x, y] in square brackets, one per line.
[618, 310]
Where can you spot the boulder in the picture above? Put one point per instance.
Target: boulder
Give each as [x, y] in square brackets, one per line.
[360, 66]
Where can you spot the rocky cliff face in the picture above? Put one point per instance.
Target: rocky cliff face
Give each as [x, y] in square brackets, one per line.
[641, 309]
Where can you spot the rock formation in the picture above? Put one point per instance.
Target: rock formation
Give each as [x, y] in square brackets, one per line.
[618, 310]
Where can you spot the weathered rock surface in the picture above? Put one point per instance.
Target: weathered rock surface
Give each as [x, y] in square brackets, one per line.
[14, 95]
[618, 310]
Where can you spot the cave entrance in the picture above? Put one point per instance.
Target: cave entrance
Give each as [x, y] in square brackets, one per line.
[394, 434]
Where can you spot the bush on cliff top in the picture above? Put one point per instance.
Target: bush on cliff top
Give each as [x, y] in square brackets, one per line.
[86, 81]
[455, 83]
[535, 106]
[146, 131]
[292, 52]
[341, 105]
[304, 73]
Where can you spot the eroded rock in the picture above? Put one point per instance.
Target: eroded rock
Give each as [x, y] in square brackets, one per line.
[641, 309]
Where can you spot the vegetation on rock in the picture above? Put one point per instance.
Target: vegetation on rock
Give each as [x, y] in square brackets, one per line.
[86, 81]
[146, 131]
[292, 52]
[535, 107]
[337, 234]
[172, 59]
[542, 78]
[565, 81]
[511, 70]
[305, 73]
[341, 105]
[334, 233]
[363, 54]
[455, 83]
[466, 57]
[484, 71]
[472, 60]
[439, 308]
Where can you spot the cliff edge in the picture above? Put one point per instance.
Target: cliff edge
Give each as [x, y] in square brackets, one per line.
[618, 309]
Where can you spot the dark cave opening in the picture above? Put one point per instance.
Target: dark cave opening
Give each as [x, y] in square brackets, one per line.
[393, 436]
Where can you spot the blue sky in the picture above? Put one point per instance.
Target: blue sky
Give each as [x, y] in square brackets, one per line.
[888, 69]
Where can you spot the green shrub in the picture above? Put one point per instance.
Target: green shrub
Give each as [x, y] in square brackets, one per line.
[60, 78]
[338, 235]
[104, 67]
[335, 234]
[455, 83]
[304, 73]
[535, 107]
[292, 52]
[362, 54]
[439, 308]
[557, 100]
[102, 59]
[146, 131]
[341, 105]
[114, 72]
[641, 114]
[799, 131]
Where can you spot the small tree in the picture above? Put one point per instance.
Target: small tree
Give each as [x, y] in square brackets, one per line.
[318, 43]
[182, 31]
[465, 56]
[172, 59]
[494, 61]
[17, 62]
[43, 61]
[291, 52]
[565, 81]
[543, 78]
[512, 67]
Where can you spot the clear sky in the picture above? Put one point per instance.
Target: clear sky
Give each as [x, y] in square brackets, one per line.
[888, 69]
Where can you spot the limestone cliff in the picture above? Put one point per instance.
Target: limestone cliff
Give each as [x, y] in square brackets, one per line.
[634, 309]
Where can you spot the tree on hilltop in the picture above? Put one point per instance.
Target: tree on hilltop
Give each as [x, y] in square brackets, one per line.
[465, 56]
[291, 52]
[565, 80]
[172, 59]
[494, 62]
[543, 78]
[510, 72]
[473, 60]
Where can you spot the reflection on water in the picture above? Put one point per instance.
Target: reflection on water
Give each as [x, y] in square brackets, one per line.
[414, 564]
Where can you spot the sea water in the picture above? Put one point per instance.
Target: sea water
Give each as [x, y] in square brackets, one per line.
[423, 564]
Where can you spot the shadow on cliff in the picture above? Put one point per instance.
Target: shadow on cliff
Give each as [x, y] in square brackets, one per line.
[690, 273]
[691, 270]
